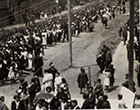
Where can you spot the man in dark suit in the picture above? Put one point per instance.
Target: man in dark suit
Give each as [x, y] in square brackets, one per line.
[17, 104]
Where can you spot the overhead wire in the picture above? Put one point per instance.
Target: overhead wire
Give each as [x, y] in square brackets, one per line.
[18, 12]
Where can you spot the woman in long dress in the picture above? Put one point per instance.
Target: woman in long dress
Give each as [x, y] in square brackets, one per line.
[107, 79]
[47, 81]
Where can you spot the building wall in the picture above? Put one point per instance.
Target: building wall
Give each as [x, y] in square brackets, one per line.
[18, 7]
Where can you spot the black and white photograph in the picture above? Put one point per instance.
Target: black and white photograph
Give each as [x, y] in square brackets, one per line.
[69, 54]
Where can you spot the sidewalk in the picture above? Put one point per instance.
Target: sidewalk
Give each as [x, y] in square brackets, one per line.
[121, 65]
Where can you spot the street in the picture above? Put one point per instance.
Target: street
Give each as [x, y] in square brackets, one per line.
[85, 49]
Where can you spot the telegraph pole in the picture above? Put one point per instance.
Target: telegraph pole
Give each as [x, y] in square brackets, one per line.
[69, 31]
[131, 43]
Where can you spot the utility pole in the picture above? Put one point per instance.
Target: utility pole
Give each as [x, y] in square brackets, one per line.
[89, 73]
[131, 43]
[69, 31]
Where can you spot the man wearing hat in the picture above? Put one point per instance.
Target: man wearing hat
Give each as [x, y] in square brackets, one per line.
[17, 104]
[2, 104]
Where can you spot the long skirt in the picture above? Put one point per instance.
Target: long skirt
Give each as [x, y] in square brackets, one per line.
[106, 81]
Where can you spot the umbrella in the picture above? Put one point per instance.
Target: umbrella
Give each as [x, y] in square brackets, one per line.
[14, 45]
[44, 96]
[18, 35]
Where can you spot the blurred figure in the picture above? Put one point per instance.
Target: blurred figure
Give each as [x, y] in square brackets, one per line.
[86, 102]
[121, 101]
[126, 83]
[91, 98]
[82, 80]
[137, 101]
[112, 71]
[107, 74]
[74, 105]
[98, 88]
[53, 71]
[3, 106]
[17, 104]
[105, 103]
[138, 74]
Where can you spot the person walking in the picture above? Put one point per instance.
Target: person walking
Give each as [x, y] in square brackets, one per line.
[82, 79]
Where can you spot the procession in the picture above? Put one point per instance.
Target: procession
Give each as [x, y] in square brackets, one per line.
[29, 61]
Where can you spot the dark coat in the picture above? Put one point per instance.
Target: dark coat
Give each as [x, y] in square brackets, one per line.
[32, 89]
[38, 66]
[62, 95]
[112, 79]
[49, 38]
[86, 104]
[108, 56]
[3, 106]
[92, 100]
[82, 80]
[20, 107]
[105, 105]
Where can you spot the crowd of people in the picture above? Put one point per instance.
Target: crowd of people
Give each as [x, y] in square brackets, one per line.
[25, 50]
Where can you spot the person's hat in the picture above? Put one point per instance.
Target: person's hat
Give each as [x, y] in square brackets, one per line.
[126, 75]
[19, 91]
[51, 64]
[98, 80]
[16, 96]
[82, 69]
[2, 98]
